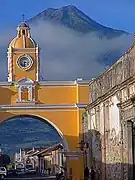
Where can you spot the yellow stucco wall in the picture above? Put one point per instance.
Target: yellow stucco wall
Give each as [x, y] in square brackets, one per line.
[67, 120]
[57, 94]
[83, 94]
[20, 73]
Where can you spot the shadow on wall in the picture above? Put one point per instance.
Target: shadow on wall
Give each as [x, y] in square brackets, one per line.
[95, 152]
[118, 171]
[6, 95]
[106, 154]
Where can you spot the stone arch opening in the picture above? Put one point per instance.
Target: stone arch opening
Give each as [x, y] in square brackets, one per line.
[45, 121]
[42, 155]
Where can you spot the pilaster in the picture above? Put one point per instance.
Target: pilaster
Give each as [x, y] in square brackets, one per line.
[130, 149]
[103, 148]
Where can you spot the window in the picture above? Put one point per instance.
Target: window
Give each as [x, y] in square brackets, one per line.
[23, 32]
[25, 94]
[26, 90]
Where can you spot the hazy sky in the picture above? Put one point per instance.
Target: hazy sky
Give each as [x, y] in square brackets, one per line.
[116, 13]
[64, 54]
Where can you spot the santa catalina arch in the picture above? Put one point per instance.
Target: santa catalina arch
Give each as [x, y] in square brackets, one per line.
[60, 103]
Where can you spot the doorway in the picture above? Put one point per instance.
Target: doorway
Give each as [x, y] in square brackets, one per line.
[133, 149]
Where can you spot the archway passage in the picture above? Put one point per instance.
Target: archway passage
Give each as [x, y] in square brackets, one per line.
[28, 132]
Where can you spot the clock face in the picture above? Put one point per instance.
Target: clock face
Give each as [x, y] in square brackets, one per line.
[25, 62]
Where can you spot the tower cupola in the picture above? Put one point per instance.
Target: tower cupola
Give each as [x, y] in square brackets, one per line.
[23, 56]
[23, 38]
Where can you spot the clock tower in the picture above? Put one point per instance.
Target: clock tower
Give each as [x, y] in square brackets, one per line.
[23, 56]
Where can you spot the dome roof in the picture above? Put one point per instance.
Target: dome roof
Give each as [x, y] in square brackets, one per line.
[22, 42]
[23, 39]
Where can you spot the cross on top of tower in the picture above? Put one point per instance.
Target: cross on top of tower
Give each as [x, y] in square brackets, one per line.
[23, 18]
[23, 23]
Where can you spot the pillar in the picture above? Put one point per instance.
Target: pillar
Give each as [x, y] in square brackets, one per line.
[30, 94]
[130, 149]
[89, 151]
[103, 147]
[19, 93]
[41, 164]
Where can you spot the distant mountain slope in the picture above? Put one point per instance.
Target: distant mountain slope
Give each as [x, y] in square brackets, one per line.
[83, 48]
[75, 19]
[26, 133]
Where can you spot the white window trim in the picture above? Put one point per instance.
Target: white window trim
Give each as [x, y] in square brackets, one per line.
[25, 83]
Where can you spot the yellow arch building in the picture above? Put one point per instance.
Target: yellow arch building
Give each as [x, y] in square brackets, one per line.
[59, 103]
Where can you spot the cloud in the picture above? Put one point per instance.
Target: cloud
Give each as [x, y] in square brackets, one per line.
[66, 55]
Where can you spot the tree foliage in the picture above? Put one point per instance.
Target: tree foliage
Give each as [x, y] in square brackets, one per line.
[4, 159]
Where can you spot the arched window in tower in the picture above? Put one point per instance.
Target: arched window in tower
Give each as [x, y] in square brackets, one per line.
[26, 90]
[23, 32]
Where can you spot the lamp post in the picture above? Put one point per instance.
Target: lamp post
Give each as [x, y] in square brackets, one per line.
[83, 147]
[0, 155]
[0, 151]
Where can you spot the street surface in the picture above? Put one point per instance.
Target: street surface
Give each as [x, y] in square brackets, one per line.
[28, 178]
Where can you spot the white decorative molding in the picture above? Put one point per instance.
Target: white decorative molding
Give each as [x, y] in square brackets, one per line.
[34, 44]
[10, 65]
[50, 83]
[81, 105]
[38, 64]
[27, 106]
[63, 83]
[5, 83]
[21, 52]
[41, 106]
[24, 102]
[24, 48]
[82, 82]
[57, 83]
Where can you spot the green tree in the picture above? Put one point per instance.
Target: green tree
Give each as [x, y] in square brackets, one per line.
[4, 159]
